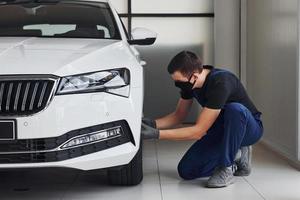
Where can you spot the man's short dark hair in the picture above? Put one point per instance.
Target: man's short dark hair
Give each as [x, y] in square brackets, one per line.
[185, 62]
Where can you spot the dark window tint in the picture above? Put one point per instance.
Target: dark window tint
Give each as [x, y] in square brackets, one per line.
[64, 19]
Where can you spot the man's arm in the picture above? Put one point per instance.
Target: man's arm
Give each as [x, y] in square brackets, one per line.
[175, 118]
[205, 120]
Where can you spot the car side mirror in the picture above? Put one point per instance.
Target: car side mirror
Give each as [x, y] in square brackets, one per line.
[142, 36]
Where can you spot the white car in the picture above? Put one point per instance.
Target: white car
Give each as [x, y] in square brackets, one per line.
[71, 88]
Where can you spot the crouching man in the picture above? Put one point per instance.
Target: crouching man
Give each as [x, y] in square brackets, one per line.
[227, 126]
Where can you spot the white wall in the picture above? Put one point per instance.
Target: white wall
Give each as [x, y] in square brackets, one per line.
[174, 35]
[227, 42]
[272, 70]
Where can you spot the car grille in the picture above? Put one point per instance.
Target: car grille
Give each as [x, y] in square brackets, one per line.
[25, 96]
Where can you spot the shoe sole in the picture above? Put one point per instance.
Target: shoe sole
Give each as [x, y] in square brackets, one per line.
[242, 173]
[220, 185]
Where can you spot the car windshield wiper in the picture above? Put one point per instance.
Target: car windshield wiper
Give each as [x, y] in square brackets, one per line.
[14, 1]
[4, 2]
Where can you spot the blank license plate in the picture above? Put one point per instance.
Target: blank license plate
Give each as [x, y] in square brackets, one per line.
[7, 130]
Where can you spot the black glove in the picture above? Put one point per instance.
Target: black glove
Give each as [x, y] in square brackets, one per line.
[149, 122]
[149, 132]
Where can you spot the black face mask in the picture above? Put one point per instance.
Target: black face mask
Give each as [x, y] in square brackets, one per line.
[185, 86]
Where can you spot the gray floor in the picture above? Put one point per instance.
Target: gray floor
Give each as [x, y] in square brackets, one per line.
[272, 179]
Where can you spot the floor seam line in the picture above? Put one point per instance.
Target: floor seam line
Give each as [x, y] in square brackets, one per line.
[254, 189]
[158, 171]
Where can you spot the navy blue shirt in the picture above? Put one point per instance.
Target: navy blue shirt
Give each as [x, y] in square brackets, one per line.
[219, 88]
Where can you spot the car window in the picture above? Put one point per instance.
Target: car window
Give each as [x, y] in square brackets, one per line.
[63, 19]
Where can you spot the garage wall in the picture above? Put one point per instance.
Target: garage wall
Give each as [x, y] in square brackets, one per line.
[181, 25]
[227, 35]
[272, 69]
[160, 95]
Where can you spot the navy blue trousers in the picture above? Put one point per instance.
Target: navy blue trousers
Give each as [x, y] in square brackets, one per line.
[235, 127]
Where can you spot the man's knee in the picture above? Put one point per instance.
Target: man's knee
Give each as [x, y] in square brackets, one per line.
[185, 171]
[188, 171]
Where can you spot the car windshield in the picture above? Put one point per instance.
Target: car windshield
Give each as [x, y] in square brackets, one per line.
[63, 19]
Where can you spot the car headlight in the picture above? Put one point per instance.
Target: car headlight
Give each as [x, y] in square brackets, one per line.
[116, 81]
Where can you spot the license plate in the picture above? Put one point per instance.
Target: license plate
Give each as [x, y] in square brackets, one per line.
[7, 130]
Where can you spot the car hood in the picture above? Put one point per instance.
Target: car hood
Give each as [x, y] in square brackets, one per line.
[58, 56]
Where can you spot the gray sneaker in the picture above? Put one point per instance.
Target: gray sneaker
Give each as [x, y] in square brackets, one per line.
[244, 162]
[222, 177]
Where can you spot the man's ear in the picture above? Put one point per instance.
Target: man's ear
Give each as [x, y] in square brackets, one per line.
[196, 75]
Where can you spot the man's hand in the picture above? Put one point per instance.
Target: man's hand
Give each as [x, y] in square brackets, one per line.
[149, 122]
[149, 132]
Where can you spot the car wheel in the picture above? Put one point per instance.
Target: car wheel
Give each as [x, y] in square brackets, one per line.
[130, 174]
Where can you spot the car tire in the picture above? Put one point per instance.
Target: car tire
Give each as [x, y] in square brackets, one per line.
[130, 174]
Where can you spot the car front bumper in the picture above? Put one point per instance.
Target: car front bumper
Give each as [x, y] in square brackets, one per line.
[119, 155]
[67, 116]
